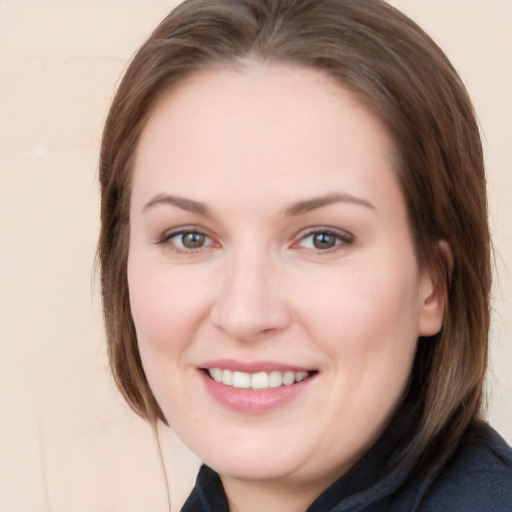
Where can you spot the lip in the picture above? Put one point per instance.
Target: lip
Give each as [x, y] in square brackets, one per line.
[253, 366]
[250, 401]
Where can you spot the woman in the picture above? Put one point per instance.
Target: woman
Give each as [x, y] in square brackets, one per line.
[295, 258]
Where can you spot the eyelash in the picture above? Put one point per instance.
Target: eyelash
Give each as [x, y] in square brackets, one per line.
[166, 239]
[342, 238]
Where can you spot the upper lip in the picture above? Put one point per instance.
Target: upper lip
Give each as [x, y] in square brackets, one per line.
[253, 366]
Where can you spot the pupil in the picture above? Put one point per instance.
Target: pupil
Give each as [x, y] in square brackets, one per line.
[324, 241]
[193, 240]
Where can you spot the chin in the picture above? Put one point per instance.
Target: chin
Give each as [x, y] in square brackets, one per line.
[255, 471]
[260, 464]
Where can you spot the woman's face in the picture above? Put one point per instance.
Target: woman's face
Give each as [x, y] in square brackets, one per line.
[273, 281]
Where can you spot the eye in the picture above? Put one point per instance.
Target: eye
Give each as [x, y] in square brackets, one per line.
[186, 240]
[325, 239]
[191, 240]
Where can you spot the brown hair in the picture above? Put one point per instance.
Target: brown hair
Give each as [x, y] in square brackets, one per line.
[372, 49]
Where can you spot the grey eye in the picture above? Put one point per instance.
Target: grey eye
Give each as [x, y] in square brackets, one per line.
[324, 240]
[193, 240]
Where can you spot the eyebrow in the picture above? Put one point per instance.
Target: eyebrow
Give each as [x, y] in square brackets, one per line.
[302, 207]
[298, 208]
[181, 202]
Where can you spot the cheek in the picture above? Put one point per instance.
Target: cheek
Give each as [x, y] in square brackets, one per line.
[164, 307]
[166, 313]
[364, 315]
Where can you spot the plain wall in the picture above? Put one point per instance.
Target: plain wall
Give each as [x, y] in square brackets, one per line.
[67, 439]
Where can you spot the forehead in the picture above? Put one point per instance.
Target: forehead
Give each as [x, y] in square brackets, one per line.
[262, 126]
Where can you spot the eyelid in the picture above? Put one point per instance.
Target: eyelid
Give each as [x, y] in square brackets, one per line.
[344, 238]
[166, 237]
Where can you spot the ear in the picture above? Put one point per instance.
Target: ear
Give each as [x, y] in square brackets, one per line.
[434, 290]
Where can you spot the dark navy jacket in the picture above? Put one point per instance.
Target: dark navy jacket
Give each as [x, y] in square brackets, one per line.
[476, 478]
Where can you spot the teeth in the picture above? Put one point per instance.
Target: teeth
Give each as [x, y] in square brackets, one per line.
[217, 375]
[300, 376]
[288, 378]
[241, 380]
[275, 379]
[260, 380]
[227, 377]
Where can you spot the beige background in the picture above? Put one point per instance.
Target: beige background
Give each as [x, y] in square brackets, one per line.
[67, 440]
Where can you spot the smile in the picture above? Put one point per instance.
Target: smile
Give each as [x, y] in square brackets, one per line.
[255, 387]
[259, 380]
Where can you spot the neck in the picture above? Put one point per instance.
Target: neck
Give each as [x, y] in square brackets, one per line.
[255, 496]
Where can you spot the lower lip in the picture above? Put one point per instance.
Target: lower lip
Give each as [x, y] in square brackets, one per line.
[251, 401]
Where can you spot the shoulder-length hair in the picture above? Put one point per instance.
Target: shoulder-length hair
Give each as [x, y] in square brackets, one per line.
[382, 56]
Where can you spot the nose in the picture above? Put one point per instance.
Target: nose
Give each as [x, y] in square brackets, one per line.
[251, 303]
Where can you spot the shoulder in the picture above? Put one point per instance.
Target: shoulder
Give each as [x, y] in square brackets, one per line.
[478, 478]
